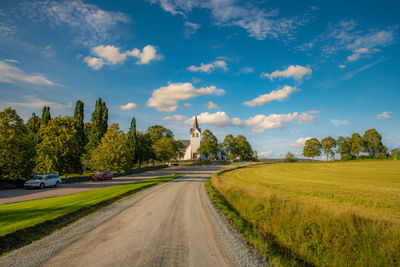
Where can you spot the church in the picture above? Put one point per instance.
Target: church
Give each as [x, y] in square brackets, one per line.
[192, 145]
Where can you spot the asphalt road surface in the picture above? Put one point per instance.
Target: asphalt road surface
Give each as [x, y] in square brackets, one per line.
[173, 224]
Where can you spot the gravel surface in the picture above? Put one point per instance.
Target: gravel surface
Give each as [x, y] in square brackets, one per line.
[173, 224]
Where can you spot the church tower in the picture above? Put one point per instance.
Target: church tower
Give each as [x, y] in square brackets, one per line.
[195, 139]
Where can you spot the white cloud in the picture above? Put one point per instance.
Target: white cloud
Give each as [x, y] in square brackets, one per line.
[190, 28]
[294, 71]
[34, 102]
[217, 119]
[209, 67]
[212, 105]
[12, 74]
[167, 98]
[339, 122]
[384, 115]
[361, 52]
[111, 55]
[259, 23]
[300, 142]
[89, 24]
[128, 106]
[307, 117]
[175, 117]
[246, 70]
[258, 123]
[279, 95]
[265, 154]
[188, 105]
[342, 66]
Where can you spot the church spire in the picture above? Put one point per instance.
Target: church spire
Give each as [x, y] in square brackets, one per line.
[195, 123]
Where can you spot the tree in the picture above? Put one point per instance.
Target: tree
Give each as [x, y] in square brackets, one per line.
[33, 126]
[156, 132]
[165, 149]
[395, 153]
[79, 116]
[343, 146]
[132, 141]
[328, 143]
[357, 144]
[15, 146]
[373, 142]
[209, 144]
[60, 147]
[243, 148]
[99, 125]
[46, 117]
[144, 148]
[312, 148]
[290, 157]
[112, 153]
[229, 146]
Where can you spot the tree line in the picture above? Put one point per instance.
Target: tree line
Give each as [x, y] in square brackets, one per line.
[353, 147]
[68, 145]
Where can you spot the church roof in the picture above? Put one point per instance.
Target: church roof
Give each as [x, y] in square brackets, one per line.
[186, 143]
[195, 125]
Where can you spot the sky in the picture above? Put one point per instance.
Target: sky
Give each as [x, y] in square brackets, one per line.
[278, 72]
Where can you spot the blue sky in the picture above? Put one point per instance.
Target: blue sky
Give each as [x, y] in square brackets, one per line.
[276, 71]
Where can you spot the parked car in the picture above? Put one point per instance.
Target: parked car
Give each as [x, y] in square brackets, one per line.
[43, 180]
[102, 176]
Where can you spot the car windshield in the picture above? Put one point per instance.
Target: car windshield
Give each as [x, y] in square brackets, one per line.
[38, 178]
[99, 172]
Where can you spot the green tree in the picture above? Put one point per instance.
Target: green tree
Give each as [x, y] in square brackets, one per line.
[79, 116]
[165, 149]
[312, 148]
[156, 132]
[15, 147]
[209, 144]
[33, 126]
[229, 146]
[243, 148]
[357, 144]
[328, 144]
[373, 142]
[343, 146]
[290, 157]
[132, 141]
[46, 117]
[59, 148]
[395, 153]
[112, 153]
[144, 148]
[99, 125]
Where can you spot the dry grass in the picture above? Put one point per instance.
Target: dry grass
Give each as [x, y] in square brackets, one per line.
[323, 214]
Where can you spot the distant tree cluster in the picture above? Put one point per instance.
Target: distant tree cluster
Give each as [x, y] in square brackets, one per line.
[356, 146]
[238, 147]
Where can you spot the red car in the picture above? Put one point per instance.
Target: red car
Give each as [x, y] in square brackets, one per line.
[102, 176]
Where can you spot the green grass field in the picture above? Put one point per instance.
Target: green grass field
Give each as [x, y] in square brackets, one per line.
[321, 214]
[34, 216]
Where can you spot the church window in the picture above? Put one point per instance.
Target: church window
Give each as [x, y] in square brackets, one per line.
[197, 134]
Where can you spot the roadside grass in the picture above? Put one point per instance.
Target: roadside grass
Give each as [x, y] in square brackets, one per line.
[24, 222]
[316, 214]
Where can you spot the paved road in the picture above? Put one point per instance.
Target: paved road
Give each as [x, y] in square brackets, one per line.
[21, 194]
[169, 225]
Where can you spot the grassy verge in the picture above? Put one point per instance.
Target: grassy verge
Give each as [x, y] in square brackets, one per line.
[321, 214]
[24, 222]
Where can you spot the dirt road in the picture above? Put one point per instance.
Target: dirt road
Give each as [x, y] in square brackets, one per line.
[171, 225]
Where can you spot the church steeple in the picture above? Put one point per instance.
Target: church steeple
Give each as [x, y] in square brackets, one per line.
[195, 125]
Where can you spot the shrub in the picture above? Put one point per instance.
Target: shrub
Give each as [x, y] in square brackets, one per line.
[347, 157]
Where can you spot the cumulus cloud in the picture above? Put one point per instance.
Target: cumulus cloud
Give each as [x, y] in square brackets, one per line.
[176, 117]
[279, 95]
[258, 22]
[339, 122]
[89, 24]
[208, 68]
[257, 124]
[167, 98]
[307, 117]
[265, 154]
[361, 52]
[300, 142]
[111, 55]
[190, 28]
[128, 106]
[212, 105]
[34, 102]
[11, 74]
[384, 115]
[246, 70]
[296, 72]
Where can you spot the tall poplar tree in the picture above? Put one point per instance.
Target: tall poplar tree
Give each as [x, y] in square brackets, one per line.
[79, 116]
[132, 141]
[46, 117]
[99, 125]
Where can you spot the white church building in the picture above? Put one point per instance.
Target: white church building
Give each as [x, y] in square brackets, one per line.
[193, 145]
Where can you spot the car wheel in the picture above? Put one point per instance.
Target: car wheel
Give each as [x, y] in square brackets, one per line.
[57, 184]
[41, 186]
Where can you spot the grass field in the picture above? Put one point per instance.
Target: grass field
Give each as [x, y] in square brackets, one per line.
[321, 214]
[36, 215]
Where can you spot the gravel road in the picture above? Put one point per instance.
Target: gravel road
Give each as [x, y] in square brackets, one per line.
[173, 224]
